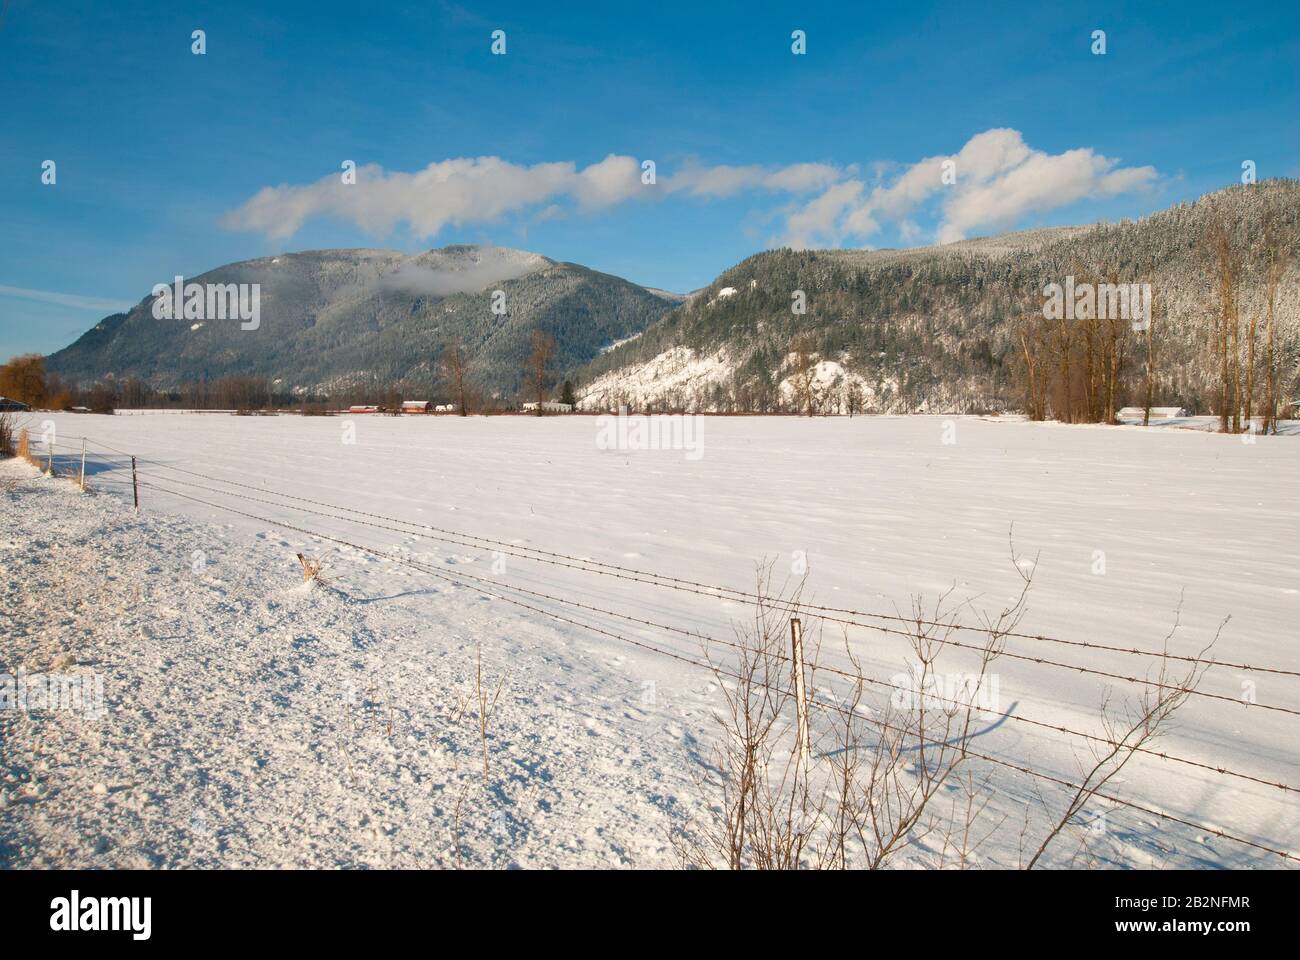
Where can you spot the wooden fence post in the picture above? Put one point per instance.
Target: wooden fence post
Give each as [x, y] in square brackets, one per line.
[801, 698]
[135, 490]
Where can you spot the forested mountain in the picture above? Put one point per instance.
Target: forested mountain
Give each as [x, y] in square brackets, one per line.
[334, 321]
[956, 327]
[953, 328]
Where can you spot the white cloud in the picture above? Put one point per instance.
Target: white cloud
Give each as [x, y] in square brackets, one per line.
[983, 156]
[484, 189]
[609, 182]
[458, 191]
[66, 299]
[999, 179]
[816, 221]
[1042, 182]
[725, 181]
[441, 273]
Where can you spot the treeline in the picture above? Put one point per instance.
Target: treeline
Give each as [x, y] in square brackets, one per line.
[24, 378]
[1245, 335]
[1083, 369]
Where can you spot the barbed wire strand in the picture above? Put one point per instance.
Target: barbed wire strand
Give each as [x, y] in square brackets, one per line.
[452, 578]
[796, 605]
[707, 589]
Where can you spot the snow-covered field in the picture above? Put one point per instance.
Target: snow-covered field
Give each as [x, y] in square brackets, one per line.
[252, 720]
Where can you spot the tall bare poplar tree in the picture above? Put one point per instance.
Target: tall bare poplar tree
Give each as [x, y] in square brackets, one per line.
[803, 374]
[453, 368]
[1151, 358]
[1275, 255]
[1226, 265]
[535, 368]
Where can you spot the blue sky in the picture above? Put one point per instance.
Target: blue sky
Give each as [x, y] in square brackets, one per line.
[171, 163]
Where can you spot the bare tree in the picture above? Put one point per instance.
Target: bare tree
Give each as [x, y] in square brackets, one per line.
[453, 368]
[1113, 359]
[535, 368]
[804, 368]
[1276, 254]
[1156, 308]
[1248, 400]
[23, 378]
[1234, 360]
[1064, 344]
[853, 399]
[1033, 378]
[1225, 262]
[392, 400]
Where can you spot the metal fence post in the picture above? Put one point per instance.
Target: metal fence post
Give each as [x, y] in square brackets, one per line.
[135, 490]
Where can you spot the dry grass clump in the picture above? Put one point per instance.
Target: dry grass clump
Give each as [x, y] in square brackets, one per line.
[8, 440]
[23, 450]
[311, 568]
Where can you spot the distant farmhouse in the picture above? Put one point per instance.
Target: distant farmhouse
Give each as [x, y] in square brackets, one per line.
[417, 406]
[1157, 413]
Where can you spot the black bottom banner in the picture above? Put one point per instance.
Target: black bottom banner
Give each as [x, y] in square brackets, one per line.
[334, 909]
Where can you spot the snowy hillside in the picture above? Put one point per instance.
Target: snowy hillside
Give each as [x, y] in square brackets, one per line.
[336, 319]
[682, 379]
[939, 328]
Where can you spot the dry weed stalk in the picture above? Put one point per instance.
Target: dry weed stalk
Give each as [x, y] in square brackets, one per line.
[876, 769]
[486, 705]
[880, 770]
[311, 568]
[1128, 730]
[8, 435]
